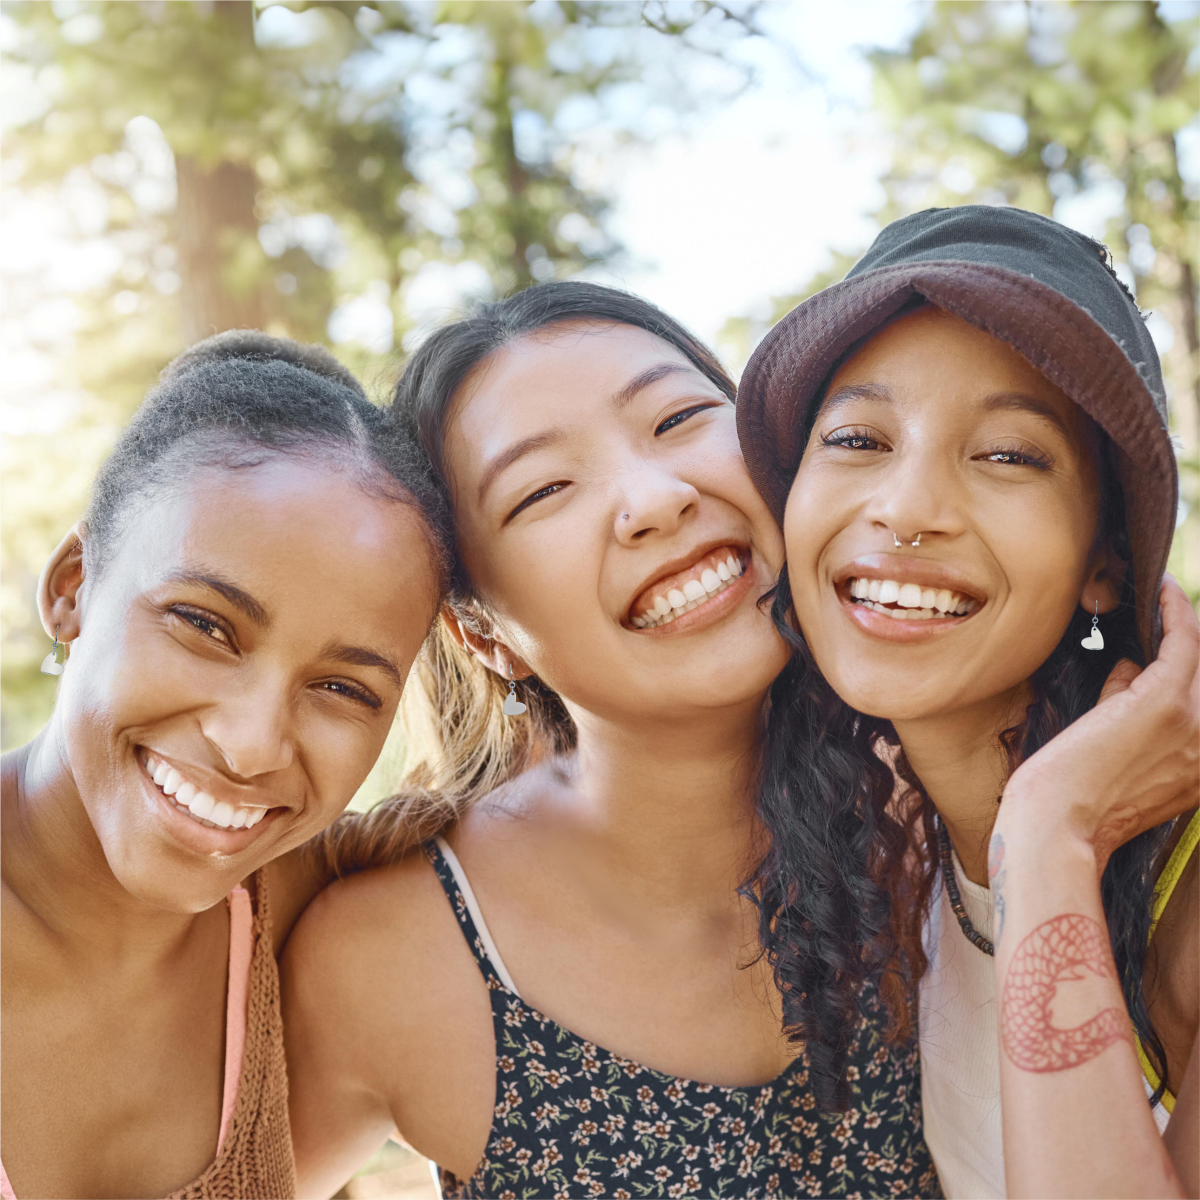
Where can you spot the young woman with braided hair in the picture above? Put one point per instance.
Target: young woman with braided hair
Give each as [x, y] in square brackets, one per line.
[255, 574]
[966, 442]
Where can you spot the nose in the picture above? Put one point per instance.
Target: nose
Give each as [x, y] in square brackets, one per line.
[918, 496]
[651, 501]
[252, 731]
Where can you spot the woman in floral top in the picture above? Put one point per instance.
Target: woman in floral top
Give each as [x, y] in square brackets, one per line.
[597, 696]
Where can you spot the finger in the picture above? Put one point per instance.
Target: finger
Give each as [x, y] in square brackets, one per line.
[1119, 679]
[1175, 666]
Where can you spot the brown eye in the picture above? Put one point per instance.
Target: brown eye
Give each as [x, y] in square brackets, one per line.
[205, 622]
[852, 438]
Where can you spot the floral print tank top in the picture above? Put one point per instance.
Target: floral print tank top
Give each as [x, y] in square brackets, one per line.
[574, 1120]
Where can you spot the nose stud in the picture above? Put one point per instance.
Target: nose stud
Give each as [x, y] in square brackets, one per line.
[896, 540]
[624, 516]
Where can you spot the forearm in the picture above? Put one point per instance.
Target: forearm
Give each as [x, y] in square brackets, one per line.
[1076, 1120]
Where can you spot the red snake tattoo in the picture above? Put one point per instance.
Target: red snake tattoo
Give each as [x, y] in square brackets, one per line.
[1058, 951]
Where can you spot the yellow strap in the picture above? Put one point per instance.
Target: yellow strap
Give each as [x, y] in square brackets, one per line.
[1162, 895]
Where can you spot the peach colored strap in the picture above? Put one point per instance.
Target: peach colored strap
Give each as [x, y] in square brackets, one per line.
[241, 946]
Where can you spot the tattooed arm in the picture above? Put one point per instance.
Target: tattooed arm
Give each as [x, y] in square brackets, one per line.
[1076, 1121]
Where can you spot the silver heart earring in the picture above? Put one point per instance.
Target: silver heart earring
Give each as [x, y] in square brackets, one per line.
[51, 664]
[1095, 639]
[512, 706]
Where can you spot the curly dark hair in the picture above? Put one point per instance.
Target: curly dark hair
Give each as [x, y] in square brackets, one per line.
[234, 398]
[844, 888]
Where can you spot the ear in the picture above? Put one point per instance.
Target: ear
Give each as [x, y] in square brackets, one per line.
[494, 655]
[58, 588]
[1101, 591]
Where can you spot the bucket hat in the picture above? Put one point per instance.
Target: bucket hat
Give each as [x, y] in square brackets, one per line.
[1046, 290]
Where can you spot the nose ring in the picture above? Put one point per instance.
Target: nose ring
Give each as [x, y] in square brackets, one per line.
[896, 540]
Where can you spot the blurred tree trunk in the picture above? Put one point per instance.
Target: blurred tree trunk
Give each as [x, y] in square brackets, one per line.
[216, 225]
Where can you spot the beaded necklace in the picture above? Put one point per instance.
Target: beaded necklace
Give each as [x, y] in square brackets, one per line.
[964, 922]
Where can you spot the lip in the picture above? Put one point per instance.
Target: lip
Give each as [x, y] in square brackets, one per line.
[201, 839]
[716, 608]
[904, 570]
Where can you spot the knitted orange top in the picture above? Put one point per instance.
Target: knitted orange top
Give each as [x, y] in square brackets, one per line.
[254, 1150]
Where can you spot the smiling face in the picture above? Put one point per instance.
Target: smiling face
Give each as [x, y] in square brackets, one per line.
[245, 647]
[606, 518]
[938, 430]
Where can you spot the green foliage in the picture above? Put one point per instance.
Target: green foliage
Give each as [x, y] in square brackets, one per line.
[189, 167]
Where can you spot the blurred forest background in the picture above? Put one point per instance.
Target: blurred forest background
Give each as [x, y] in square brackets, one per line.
[351, 172]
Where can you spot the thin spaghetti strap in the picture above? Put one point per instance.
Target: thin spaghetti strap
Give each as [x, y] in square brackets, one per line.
[1165, 885]
[462, 899]
[1174, 869]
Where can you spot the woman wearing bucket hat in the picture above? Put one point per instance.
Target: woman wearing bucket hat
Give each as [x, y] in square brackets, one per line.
[966, 443]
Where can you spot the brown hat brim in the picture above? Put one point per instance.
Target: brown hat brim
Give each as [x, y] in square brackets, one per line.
[1063, 341]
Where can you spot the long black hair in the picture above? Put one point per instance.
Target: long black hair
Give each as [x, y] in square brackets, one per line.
[843, 891]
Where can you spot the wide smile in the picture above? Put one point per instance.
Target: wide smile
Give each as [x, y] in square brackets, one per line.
[197, 817]
[908, 600]
[707, 586]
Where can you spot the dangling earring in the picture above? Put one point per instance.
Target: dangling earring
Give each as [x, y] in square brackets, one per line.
[51, 664]
[512, 706]
[1095, 639]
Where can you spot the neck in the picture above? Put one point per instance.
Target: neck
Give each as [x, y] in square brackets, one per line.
[673, 801]
[962, 766]
[54, 864]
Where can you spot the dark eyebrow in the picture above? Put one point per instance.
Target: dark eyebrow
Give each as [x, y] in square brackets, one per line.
[238, 597]
[517, 450]
[646, 378]
[856, 391]
[1020, 402]
[360, 656]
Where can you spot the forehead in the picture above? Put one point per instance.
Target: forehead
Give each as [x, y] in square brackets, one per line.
[288, 529]
[567, 370]
[936, 356]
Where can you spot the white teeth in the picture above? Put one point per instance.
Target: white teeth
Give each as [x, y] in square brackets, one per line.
[222, 814]
[711, 580]
[676, 598]
[662, 606]
[913, 601]
[724, 574]
[694, 590]
[734, 565]
[202, 805]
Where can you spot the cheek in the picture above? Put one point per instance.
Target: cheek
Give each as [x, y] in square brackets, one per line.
[808, 525]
